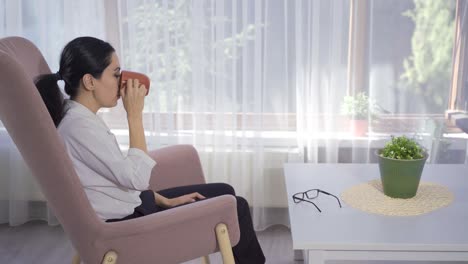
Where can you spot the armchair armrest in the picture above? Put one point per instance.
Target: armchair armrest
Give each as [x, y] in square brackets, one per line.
[177, 165]
[172, 236]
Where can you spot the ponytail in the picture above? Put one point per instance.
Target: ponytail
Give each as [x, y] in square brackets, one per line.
[52, 96]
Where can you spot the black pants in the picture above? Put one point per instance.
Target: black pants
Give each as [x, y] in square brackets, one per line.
[248, 249]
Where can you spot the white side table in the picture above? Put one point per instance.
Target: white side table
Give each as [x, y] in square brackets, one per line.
[350, 234]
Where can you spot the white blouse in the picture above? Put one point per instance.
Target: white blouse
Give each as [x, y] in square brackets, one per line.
[111, 181]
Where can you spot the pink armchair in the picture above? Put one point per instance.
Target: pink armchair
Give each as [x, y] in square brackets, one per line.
[171, 236]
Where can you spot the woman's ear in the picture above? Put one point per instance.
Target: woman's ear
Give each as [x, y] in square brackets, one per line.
[88, 82]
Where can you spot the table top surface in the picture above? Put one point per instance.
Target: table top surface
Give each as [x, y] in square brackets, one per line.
[347, 228]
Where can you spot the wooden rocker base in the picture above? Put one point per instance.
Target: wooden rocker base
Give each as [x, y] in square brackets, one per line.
[222, 236]
[109, 258]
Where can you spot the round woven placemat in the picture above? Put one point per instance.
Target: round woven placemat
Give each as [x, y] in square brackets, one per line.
[369, 197]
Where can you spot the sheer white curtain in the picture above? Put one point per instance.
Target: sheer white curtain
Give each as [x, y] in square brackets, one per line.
[255, 84]
[221, 81]
[321, 37]
[50, 25]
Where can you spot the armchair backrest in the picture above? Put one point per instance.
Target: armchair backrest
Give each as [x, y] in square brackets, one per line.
[29, 124]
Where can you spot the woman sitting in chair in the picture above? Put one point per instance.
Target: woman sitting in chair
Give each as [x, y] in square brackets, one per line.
[117, 186]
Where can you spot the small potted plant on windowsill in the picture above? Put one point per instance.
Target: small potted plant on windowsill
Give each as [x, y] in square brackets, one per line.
[401, 163]
[359, 110]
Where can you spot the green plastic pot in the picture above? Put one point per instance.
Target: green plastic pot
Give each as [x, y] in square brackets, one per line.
[400, 178]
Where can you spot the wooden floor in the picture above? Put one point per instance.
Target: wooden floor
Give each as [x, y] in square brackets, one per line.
[36, 242]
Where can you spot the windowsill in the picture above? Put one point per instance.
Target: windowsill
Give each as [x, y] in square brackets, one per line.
[282, 141]
[278, 141]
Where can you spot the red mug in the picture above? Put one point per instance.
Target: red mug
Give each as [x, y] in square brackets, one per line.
[125, 75]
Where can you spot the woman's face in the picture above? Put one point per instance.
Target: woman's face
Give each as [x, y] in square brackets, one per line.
[107, 87]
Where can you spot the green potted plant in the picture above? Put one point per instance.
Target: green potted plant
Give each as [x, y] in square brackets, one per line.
[401, 163]
[358, 109]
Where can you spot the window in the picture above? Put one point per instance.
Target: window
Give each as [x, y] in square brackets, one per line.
[459, 93]
[384, 48]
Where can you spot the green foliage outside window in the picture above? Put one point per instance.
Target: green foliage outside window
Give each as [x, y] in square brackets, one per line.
[427, 71]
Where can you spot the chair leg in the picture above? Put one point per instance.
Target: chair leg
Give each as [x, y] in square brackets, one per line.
[205, 260]
[76, 259]
[224, 244]
[110, 258]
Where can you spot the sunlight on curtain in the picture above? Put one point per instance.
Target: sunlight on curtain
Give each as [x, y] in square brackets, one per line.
[49, 25]
[321, 53]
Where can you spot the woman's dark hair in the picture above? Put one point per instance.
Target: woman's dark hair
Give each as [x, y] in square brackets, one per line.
[80, 56]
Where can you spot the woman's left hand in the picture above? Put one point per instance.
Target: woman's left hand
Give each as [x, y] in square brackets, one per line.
[184, 199]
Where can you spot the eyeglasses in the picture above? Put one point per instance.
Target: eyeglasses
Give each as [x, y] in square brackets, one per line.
[311, 194]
